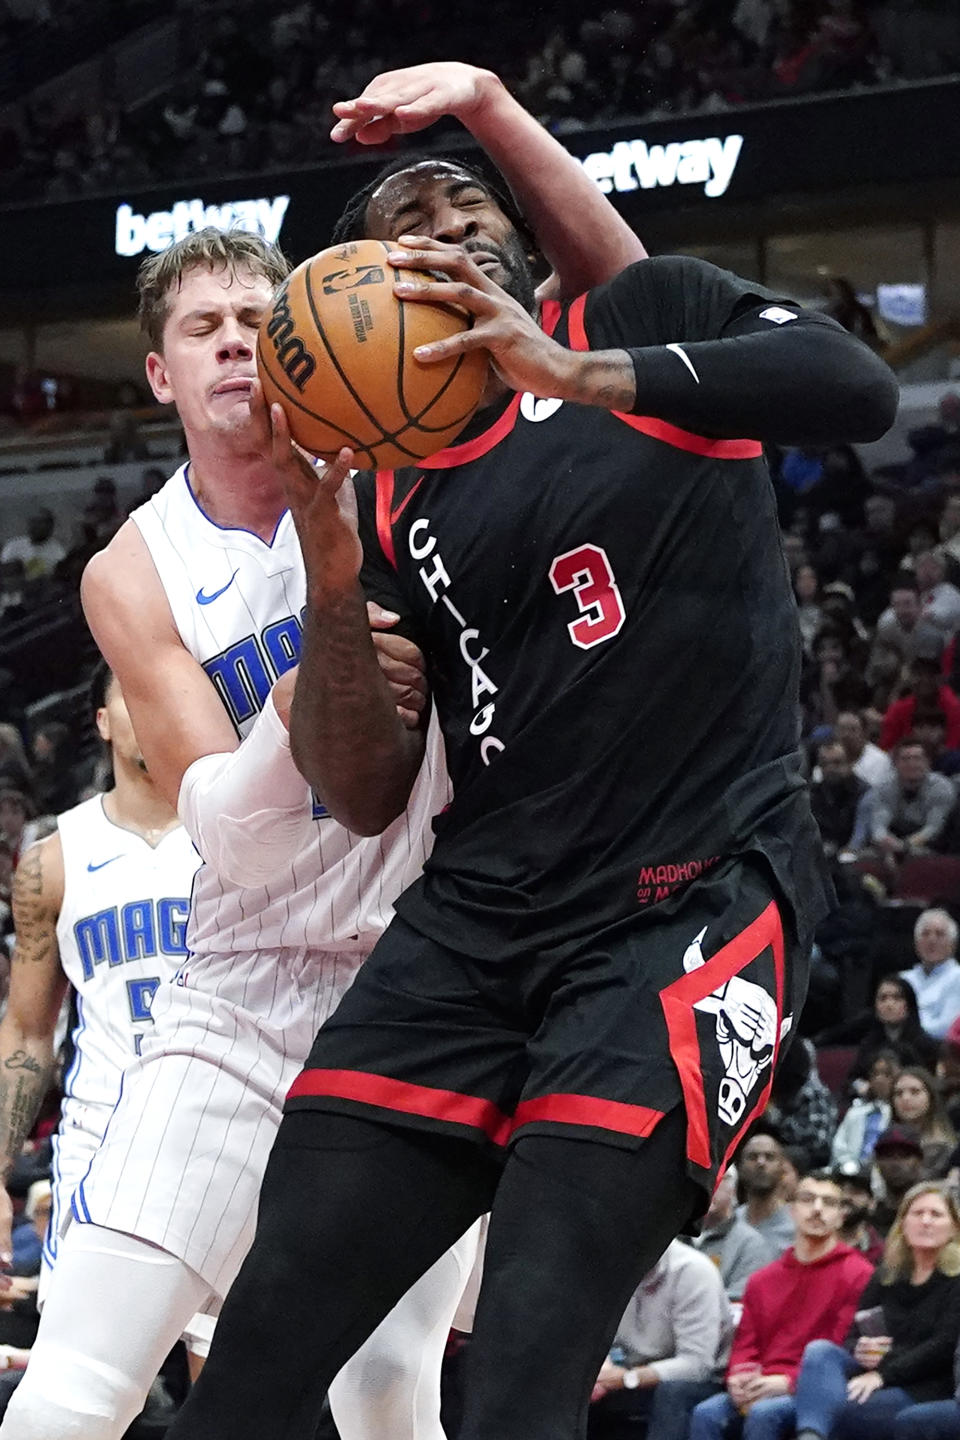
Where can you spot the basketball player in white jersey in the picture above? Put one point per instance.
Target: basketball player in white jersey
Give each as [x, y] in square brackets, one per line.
[100, 905]
[196, 604]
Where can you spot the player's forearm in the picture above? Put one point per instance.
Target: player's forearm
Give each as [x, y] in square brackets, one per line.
[793, 384]
[578, 231]
[346, 737]
[26, 1069]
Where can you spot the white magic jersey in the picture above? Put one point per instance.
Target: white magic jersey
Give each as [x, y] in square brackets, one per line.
[238, 605]
[121, 933]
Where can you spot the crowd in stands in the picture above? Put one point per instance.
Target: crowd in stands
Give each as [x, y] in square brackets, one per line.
[257, 96]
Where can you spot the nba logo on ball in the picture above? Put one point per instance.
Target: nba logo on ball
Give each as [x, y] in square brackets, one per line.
[336, 350]
[352, 279]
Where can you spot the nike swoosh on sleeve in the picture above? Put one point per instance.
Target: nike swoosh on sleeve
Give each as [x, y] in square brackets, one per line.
[679, 350]
[203, 599]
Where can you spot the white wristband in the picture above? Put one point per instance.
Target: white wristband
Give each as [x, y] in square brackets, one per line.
[247, 811]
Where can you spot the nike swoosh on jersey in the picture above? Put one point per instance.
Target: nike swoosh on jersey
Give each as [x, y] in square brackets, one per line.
[203, 599]
[395, 514]
[91, 867]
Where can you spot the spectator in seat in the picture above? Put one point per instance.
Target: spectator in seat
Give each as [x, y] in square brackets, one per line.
[893, 1023]
[869, 1114]
[948, 1073]
[53, 785]
[760, 1166]
[806, 587]
[671, 1345]
[39, 551]
[867, 761]
[911, 811]
[930, 728]
[16, 808]
[935, 445]
[899, 1159]
[926, 692]
[939, 600]
[734, 1247]
[917, 1106]
[841, 803]
[831, 683]
[856, 1184]
[859, 1391]
[801, 1107]
[809, 1293]
[935, 978]
[12, 585]
[901, 631]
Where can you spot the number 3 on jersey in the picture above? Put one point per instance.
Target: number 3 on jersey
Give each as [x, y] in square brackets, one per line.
[586, 571]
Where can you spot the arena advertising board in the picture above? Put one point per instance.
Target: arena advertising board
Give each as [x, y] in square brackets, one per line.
[692, 163]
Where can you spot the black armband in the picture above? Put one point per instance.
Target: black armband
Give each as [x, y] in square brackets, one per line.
[803, 381]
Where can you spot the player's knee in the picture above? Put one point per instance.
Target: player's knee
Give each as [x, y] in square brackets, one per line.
[67, 1396]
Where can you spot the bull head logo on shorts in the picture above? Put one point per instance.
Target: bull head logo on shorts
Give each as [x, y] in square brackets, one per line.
[746, 1019]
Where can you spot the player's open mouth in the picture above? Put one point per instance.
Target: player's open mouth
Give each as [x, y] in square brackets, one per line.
[242, 384]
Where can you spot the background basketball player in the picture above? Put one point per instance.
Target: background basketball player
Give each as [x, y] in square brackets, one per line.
[100, 905]
[196, 604]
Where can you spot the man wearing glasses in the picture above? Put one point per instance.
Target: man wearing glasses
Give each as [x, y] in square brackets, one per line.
[810, 1293]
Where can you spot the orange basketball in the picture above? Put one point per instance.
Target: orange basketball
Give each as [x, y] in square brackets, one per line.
[336, 351]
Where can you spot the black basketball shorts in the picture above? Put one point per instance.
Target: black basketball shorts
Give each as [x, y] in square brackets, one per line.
[688, 1004]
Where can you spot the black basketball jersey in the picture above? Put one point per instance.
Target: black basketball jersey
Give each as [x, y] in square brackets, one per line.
[611, 640]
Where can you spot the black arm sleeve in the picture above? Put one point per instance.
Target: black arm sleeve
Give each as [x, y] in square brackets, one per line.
[723, 356]
[803, 382]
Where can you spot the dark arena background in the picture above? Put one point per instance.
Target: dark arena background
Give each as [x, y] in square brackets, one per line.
[810, 145]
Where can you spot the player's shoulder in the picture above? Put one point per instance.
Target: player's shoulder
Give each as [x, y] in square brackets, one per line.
[121, 582]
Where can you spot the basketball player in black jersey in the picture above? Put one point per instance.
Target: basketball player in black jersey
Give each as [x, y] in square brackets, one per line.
[580, 1006]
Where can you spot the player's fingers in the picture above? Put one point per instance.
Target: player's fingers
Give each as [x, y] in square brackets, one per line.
[376, 132]
[454, 345]
[332, 475]
[379, 618]
[398, 672]
[451, 292]
[410, 718]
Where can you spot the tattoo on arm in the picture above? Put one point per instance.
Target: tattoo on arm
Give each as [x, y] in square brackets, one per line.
[36, 933]
[20, 1100]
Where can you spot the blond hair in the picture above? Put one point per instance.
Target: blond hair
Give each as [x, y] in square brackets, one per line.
[209, 249]
[897, 1261]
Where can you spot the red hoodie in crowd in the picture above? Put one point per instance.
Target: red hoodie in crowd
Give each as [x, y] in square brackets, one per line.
[788, 1304]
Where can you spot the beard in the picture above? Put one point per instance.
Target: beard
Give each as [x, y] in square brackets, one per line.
[517, 279]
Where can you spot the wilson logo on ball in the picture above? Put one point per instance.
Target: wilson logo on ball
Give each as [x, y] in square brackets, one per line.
[294, 358]
[352, 279]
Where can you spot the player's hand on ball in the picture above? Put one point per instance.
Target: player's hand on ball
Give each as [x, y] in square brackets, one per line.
[398, 102]
[324, 510]
[520, 353]
[401, 664]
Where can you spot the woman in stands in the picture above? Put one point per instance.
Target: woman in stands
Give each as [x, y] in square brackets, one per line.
[899, 1352]
[916, 1104]
[893, 1023]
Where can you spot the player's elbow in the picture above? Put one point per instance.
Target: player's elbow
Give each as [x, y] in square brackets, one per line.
[872, 401]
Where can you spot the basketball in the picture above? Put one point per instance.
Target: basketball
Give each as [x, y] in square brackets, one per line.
[336, 351]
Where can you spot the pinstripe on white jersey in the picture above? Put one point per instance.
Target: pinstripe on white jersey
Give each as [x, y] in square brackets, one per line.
[238, 605]
[120, 933]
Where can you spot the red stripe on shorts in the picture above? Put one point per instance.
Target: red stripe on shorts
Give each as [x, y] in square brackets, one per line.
[409, 1099]
[678, 1001]
[588, 1110]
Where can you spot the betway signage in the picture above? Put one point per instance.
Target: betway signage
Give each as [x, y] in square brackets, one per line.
[135, 233]
[633, 164]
